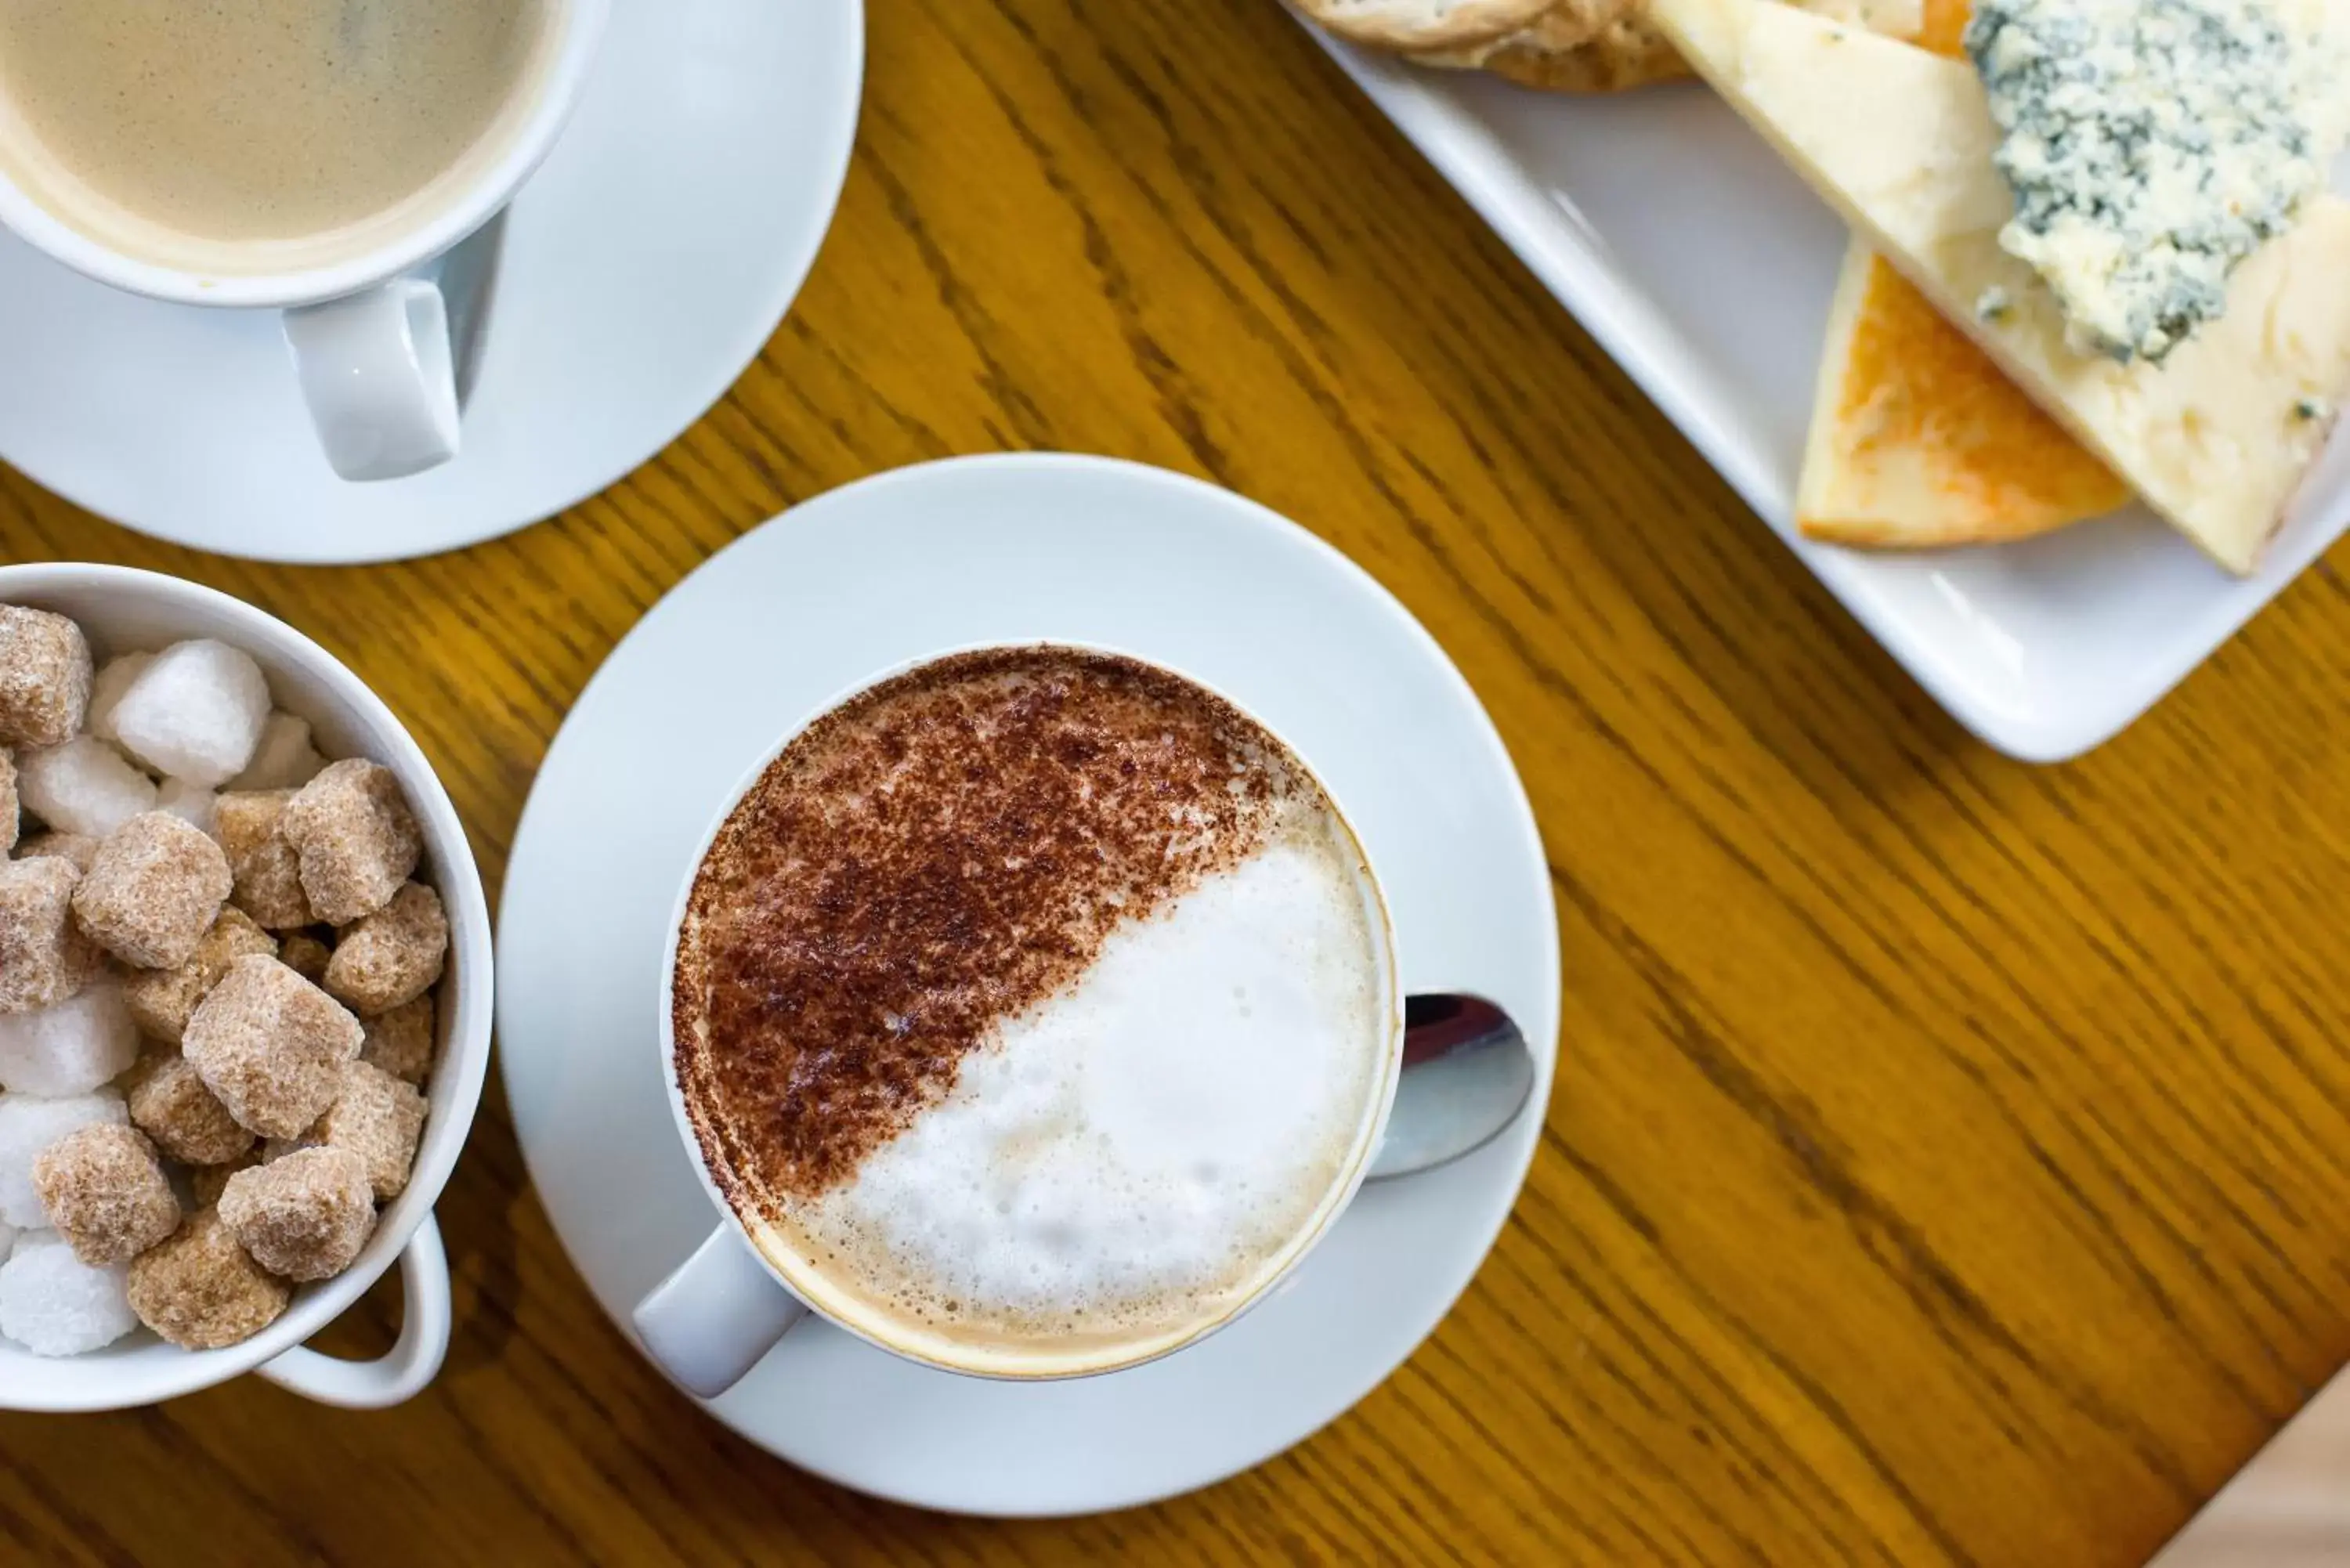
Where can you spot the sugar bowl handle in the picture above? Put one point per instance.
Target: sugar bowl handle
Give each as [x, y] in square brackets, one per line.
[414, 1363]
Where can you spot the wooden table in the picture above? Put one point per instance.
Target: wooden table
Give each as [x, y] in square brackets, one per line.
[1950, 1160]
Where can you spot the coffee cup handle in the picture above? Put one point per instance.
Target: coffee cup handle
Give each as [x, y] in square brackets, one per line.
[380, 377]
[711, 1321]
[414, 1361]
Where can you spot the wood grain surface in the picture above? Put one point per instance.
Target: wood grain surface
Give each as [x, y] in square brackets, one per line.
[1951, 1162]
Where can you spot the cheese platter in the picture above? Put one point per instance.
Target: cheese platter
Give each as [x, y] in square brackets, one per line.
[1688, 244]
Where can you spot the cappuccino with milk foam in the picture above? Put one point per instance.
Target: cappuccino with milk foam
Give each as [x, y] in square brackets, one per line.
[1033, 1010]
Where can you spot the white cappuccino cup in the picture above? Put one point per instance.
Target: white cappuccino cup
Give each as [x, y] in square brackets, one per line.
[751, 1279]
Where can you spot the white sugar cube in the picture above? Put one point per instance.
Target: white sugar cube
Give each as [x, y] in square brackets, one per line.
[197, 712]
[106, 692]
[71, 1048]
[53, 1304]
[28, 1126]
[83, 787]
[192, 803]
[285, 759]
[28, 1240]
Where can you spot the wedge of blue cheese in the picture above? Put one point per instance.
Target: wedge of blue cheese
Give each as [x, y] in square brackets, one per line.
[2153, 146]
[2216, 438]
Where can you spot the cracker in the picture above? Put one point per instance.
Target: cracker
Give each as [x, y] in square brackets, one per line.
[1567, 24]
[1625, 54]
[1408, 25]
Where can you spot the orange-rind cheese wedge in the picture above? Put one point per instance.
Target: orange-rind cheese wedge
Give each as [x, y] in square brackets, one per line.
[1919, 441]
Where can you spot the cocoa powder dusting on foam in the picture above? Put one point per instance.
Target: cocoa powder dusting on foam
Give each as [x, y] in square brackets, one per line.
[935, 857]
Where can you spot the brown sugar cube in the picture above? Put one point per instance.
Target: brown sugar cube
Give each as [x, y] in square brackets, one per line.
[163, 1000]
[153, 891]
[45, 958]
[272, 1045]
[202, 1291]
[380, 1119]
[391, 957]
[244, 819]
[44, 674]
[267, 871]
[269, 887]
[9, 805]
[71, 848]
[400, 1041]
[305, 955]
[304, 1217]
[358, 839]
[207, 1182]
[106, 1193]
[170, 1103]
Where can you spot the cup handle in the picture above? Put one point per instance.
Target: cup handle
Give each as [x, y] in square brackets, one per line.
[711, 1321]
[380, 379]
[414, 1363]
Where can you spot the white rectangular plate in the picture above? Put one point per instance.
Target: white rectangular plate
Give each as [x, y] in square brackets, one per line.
[1705, 266]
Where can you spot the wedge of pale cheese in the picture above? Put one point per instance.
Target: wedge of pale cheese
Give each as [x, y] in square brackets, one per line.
[1894, 19]
[1918, 440]
[2217, 438]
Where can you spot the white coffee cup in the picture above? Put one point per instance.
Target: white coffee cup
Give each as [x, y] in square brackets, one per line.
[118, 607]
[721, 1310]
[370, 337]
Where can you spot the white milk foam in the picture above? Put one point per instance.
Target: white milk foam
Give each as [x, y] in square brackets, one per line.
[1134, 1155]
